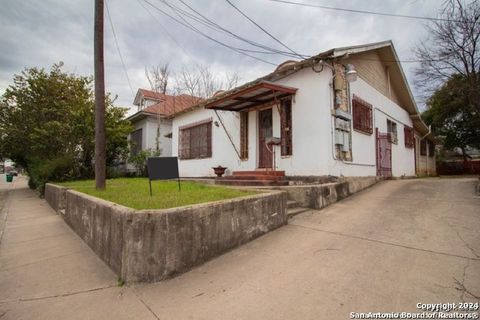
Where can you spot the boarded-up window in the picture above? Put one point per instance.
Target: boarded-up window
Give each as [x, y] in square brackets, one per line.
[409, 138]
[286, 127]
[431, 149]
[392, 131]
[362, 116]
[423, 147]
[136, 142]
[196, 141]
[244, 135]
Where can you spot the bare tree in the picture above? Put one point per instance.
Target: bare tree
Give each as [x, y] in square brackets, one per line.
[188, 80]
[200, 81]
[452, 48]
[158, 77]
[231, 80]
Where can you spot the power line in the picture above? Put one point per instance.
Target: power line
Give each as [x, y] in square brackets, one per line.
[186, 24]
[263, 29]
[213, 25]
[166, 31]
[118, 48]
[363, 11]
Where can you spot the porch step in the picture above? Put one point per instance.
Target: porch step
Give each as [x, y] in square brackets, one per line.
[234, 182]
[292, 212]
[259, 173]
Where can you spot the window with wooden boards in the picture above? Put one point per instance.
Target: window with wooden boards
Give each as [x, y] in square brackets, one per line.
[244, 135]
[136, 142]
[362, 116]
[286, 127]
[409, 137]
[196, 141]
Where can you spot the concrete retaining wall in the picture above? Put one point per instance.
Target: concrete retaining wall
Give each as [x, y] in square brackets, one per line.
[320, 196]
[55, 196]
[151, 245]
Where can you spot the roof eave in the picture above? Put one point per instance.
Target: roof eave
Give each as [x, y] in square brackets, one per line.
[142, 114]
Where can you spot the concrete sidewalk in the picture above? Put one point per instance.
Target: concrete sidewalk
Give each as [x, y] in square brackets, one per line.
[385, 249]
[47, 272]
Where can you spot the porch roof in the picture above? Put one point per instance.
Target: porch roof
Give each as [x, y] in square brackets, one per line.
[258, 93]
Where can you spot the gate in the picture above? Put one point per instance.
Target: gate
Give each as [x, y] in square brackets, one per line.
[384, 154]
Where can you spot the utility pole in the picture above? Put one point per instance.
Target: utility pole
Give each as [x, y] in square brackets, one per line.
[100, 143]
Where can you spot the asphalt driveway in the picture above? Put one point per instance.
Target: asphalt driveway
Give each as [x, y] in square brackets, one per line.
[387, 248]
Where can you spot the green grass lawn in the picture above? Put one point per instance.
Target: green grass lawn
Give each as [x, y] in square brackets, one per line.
[134, 192]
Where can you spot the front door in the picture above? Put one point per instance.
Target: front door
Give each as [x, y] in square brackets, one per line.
[265, 131]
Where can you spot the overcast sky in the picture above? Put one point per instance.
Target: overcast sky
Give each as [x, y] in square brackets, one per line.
[42, 32]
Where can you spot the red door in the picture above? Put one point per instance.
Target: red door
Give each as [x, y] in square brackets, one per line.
[265, 131]
[384, 154]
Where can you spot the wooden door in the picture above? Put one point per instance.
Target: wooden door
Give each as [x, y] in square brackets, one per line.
[265, 131]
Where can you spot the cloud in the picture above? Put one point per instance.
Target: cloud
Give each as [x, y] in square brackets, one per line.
[40, 33]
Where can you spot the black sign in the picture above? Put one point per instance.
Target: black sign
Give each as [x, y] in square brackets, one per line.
[162, 168]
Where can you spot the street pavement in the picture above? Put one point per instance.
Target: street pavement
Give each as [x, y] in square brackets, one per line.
[385, 249]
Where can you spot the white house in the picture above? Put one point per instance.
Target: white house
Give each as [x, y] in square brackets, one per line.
[347, 111]
[152, 122]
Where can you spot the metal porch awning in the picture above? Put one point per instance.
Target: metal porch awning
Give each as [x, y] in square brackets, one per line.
[251, 96]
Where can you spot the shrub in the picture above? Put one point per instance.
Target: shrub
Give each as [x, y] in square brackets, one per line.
[57, 169]
[139, 161]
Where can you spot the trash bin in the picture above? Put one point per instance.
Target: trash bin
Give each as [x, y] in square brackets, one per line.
[9, 178]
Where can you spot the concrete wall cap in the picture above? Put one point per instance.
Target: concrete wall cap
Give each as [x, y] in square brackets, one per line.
[213, 203]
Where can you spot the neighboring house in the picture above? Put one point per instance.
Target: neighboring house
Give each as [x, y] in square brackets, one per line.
[152, 122]
[309, 118]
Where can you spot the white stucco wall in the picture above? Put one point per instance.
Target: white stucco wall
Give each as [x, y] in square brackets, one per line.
[311, 133]
[149, 134]
[223, 152]
[363, 146]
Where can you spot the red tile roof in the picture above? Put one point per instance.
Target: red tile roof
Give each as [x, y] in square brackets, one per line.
[170, 105]
[149, 94]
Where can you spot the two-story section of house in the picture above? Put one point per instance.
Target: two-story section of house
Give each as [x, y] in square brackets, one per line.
[152, 122]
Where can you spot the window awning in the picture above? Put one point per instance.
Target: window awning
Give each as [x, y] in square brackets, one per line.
[250, 96]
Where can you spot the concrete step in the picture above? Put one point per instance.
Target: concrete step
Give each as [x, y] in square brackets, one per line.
[259, 172]
[294, 211]
[252, 182]
[292, 204]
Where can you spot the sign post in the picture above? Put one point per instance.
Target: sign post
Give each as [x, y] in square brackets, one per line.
[162, 168]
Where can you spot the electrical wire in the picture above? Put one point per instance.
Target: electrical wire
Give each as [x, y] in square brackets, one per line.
[208, 22]
[363, 11]
[166, 31]
[263, 29]
[118, 49]
[187, 25]
[213, 25]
